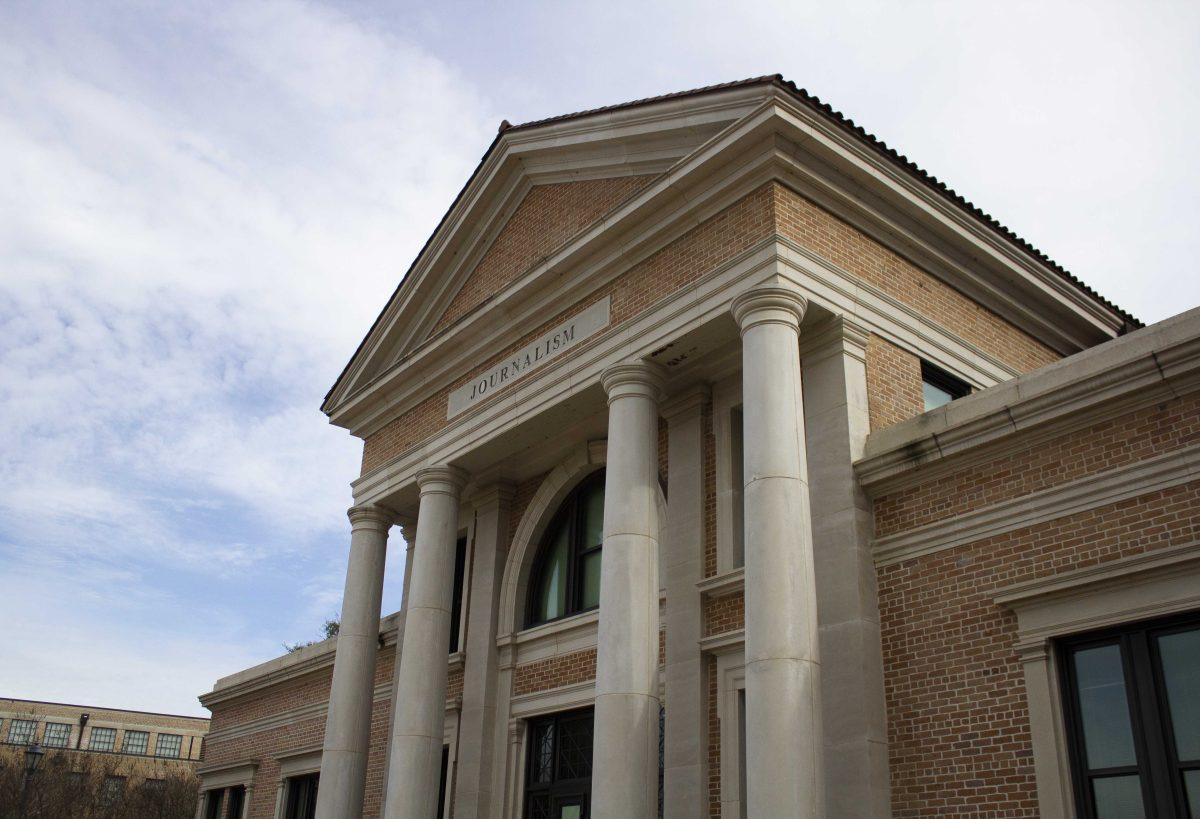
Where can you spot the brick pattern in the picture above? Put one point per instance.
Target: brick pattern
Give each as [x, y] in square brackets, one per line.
[726, 613]
[454, 684]
[554, 672]
[714, 739]
[1105, 445]
[662, 451]
[267, 745]
[547, 218]
[894, 391]
[633, 292]
[848, 248]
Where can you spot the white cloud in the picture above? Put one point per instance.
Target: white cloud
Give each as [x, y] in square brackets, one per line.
[201, 211]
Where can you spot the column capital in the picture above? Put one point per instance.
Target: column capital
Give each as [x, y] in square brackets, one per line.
[371, 516]
[444, 479]
[496, 492]
[837, 334]
[687, 403]
[773, 303]
[633, 378]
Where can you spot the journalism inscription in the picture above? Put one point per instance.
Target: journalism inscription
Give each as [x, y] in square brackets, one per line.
[527, 359]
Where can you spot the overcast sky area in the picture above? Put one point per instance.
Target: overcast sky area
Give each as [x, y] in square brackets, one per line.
[204, 206]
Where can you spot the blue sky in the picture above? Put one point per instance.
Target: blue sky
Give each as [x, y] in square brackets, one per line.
[204, 206]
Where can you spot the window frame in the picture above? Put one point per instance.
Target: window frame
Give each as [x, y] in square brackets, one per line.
[66, 740]
[570, 511]
[947, 382]
[459, 593]
[104, 729]
[1157, 758]
[32, 728]
[158, 746]
[125, 742]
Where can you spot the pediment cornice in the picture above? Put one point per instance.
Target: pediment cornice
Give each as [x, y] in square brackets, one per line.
[751, 139]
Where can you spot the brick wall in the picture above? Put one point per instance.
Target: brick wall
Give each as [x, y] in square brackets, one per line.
[553, 672]
[958, 724]
[547, 218]
[894, 392]
[725, 613]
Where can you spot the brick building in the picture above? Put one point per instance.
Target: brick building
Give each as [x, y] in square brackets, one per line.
[126, 748]
[897, 516]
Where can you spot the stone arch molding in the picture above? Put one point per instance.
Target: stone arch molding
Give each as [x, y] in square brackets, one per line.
[557, 484]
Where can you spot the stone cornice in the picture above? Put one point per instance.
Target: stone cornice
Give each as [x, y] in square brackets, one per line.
[1150, 365]
[1089, 492]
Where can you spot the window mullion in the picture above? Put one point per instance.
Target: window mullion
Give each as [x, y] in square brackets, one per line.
[1148, 726]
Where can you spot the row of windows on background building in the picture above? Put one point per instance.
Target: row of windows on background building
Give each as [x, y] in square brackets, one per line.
[58, 735]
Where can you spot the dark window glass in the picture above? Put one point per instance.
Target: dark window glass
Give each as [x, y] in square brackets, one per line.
[737, 481]
[558, 781]
[460, 569]
[566, 574]
[212, 804]
[445, 775]
[1131, 697]
[940, 387]
[103, 739]
[237, 802]
[58, 735]
[112, 790]
[302, 797]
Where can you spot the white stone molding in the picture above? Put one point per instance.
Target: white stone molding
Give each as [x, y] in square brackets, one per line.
[727, 395]
[1153, 584]
[731, 681]
[1111, 486]
[227, 775]
[552, 700]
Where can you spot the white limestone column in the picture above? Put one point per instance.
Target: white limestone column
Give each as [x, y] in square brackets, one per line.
[477, 724]
[348, 722]
[419, 699]
[783, 708]
[625, 744]
[685, 792]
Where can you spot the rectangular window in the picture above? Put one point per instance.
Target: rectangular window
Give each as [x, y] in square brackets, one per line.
[237, 802]
[559, 772]
[135, 742]
[168, 745]
[445, 775]
[460, 570]
[302, 797]
[21, 731]
[112, 790]
[940, 387]
[103, 739]
[1132, 702]
[58, 735]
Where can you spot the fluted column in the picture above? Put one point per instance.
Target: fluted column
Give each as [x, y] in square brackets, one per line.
[348, 720]
[783, 708]
[625, 745]
[419, 699]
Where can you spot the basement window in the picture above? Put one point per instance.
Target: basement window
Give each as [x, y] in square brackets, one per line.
[940, 387]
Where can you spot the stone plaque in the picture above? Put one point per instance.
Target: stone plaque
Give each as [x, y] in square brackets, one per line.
[566, 335]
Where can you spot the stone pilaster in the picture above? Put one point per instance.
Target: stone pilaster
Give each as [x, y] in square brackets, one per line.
[685, 791]
[348, 721]
[854, 718]
[419, 699]
[477, 723]
[784, 776]
[625, 750]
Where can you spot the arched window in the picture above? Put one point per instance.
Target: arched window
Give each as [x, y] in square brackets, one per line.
[566, 575]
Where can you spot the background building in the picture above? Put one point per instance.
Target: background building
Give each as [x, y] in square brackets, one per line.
[122, 750]
[745, 469]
